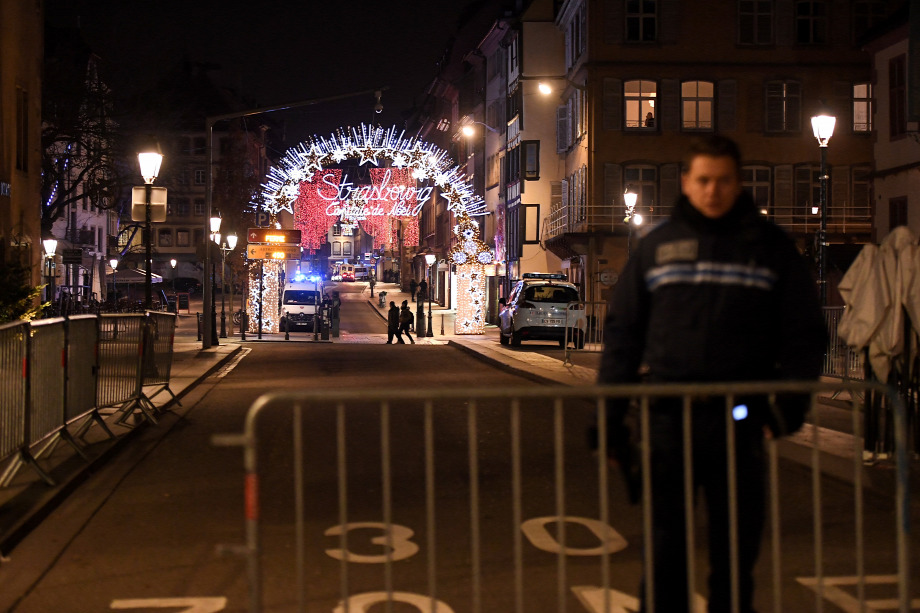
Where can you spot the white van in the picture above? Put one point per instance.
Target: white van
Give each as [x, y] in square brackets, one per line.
[300, 301]
[361, 273]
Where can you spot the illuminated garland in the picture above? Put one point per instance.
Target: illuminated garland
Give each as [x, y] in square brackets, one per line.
[310, 216]
[470, 255]
[368, 144]
[271, 294]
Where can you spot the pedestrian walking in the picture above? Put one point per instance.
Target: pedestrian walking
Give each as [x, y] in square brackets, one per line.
[422, 290]
[716, 293]
[413, 286]
[393, 323]
[405, 322]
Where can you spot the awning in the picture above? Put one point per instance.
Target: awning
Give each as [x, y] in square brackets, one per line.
[131, 276]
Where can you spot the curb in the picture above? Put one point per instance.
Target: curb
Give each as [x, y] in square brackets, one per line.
[55, 496]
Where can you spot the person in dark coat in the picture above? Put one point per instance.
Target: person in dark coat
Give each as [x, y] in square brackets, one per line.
[405, 322]
[716, 293]
[422, 290]
[413, 286]
[393, 323]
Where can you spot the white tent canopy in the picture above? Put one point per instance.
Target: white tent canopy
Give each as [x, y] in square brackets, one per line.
[131, 276]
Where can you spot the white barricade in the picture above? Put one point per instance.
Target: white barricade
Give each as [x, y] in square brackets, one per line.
[500, 492]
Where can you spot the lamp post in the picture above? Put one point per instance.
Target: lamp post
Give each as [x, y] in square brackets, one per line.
[629, 199]
[50, 245]
[114, 264]
[430, 259]
[214, 222]
[228, 245]
[823, 127]
[149, 160]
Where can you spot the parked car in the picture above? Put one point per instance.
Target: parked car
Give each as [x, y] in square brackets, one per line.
[538, 309]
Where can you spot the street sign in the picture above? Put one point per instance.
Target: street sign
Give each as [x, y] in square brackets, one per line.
[273, 252]
[272, 235]
[262, 218]
[72, 256]
[157, 204]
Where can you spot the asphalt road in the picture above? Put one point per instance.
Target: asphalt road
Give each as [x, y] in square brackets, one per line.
[144, 532]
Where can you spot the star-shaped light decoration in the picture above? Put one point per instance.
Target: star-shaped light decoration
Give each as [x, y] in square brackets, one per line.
[368, 154]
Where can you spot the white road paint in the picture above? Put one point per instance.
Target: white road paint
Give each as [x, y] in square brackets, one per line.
[193, 605]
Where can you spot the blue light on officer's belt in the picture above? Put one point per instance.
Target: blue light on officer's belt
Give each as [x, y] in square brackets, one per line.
[740, 412]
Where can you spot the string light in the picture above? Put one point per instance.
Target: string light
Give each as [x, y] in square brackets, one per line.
[368, 144]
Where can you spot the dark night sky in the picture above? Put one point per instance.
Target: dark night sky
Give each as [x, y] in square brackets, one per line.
[276, 51]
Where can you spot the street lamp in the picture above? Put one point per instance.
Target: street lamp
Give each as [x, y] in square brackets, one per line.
[823, 126]
[214, 222]
[114, 264]
[629, 199]
[228, 245]
[430, 259]
[50, 245]
[149, 160]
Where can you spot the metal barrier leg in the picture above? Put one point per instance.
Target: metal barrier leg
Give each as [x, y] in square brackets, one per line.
[24, 457]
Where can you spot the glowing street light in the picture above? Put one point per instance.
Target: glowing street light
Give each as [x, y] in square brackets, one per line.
[823, 127]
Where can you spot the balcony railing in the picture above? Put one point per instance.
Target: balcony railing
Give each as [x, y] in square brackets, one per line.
[795, 220]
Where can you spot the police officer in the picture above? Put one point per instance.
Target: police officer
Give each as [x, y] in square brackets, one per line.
[715, 293]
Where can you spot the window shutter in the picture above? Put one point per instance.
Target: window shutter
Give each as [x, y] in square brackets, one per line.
[754, 108]
[785, 23]
[840, 189]
[783, 187]
[613, 22]
[562, 129]
[613, 104]
[726, 103]
[670, 21]
[669, 119]
[670, 187]
[564, 186]
[613, 184]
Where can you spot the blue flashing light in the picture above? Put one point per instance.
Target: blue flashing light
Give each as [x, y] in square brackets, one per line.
[300, 277]
[740, 412]
[314, 279]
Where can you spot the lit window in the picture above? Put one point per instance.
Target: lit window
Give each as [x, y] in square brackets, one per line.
[862, 107]
[640, 104]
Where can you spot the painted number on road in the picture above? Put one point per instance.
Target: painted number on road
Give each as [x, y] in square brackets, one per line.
[610, 540]
[192, 605]
[361, 603]
[397, 540]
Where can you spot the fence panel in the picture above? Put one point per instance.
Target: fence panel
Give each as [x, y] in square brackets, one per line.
[840, 360]
[82, 372]
[120, 344]
[47, 379]
[594, 313]
[13, 389]
[471, 496]
[161, 335]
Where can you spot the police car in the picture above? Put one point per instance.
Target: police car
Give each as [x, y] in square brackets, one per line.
[538, 309]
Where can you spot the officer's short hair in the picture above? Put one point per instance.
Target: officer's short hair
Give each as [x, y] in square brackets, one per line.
[716, 146]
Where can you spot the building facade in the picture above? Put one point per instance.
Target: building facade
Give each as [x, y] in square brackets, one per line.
[896, 182]
[21, 52]
[659, 72]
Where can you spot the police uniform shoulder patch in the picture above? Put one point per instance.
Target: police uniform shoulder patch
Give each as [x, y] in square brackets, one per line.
[685, 250]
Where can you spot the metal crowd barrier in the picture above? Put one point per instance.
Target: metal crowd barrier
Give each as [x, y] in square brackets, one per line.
[500, 492]
[58, 373]
[14, 391]
[161, 333]
[840, 360]
[592, 340]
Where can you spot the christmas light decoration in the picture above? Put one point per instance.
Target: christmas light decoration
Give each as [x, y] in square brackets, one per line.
[471, 256]
[368, 144]
[271, 295]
